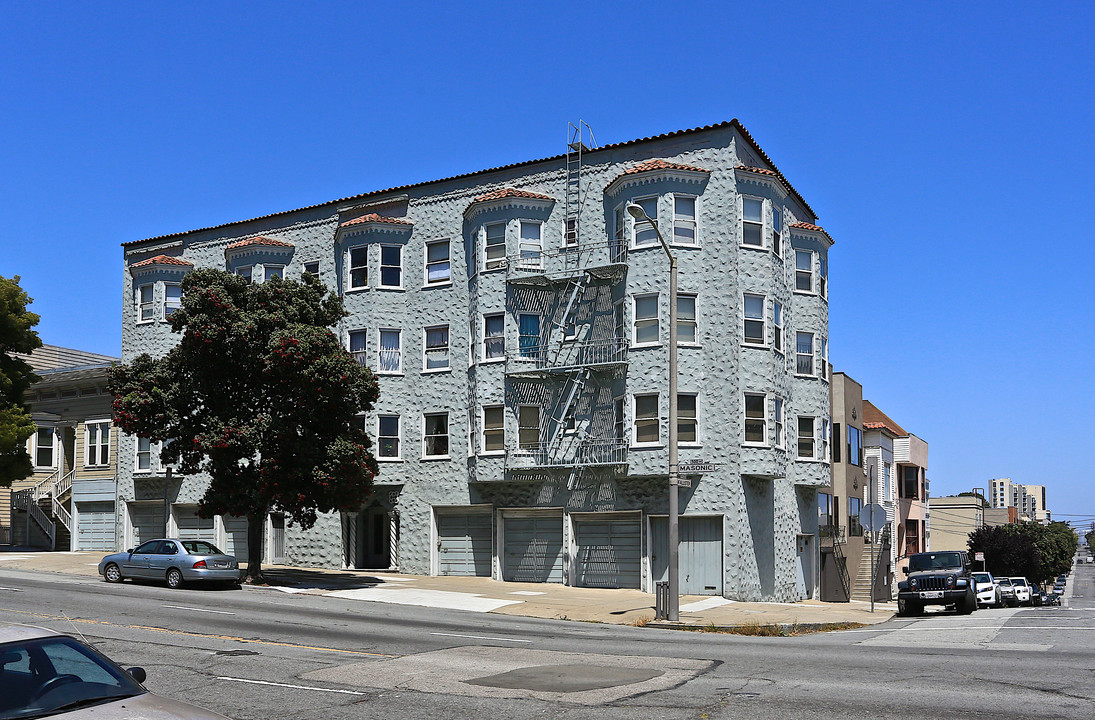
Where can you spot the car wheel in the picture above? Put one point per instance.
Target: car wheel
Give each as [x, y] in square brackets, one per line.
[174, 578]
[967, 605]
[907, 609]
[112, 574]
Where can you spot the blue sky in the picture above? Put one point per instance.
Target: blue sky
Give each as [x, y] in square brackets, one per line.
[945, 146]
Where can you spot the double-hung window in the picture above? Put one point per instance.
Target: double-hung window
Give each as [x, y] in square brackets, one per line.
[45, 440]
[172, 300]
[777, 417]
[387, 437]
[494, 338]
[357, 346]
[246, 272]
[311, 268]
[645, 234]
[97, 443]
[269, 272]
[493, 438]
[144, 455]
[437, 348]
[146, 306]
[684, 220]
[529, 337]
[777, 231]
[824, 358]
[823, 276]
[359, 267]
[752, 222]
[438, 267]
[435, 435]
[645, 325]
[530, 245]
[646, 422]
[756, 422]
[687, 419]
[755, 330]
[804, 271]
[804, 353]
[806, 441]
[777, 325]
[494, 252]
[389, 352]
[855, 445]
[855, 505]
[391, 266]
[528, 428]
[686, 319]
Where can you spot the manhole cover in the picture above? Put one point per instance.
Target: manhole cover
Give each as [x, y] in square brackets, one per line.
[236, 652]
[566, 678]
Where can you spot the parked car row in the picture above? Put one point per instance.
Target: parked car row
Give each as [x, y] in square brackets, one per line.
[1014, 591]
[173, 561]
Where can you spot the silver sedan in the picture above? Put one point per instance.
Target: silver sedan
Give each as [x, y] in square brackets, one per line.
[172, 560]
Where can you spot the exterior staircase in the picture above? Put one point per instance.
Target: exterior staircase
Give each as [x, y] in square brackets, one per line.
[45, 510]
[861, 589]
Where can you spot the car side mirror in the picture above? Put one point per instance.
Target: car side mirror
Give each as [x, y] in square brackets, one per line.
[906, 571]
[130, 551]
[138, 674]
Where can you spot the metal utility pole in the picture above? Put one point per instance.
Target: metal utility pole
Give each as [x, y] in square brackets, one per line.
[166, 482]
[673, 611]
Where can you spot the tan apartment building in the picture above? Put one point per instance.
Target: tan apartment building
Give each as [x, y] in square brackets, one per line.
[953, 519]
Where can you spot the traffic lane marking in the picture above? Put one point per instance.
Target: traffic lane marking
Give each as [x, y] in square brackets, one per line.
[194, 609]
[287, 685]
[208, 636]
[479, 637]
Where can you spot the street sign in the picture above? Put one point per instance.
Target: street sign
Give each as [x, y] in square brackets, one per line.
[684, 482]
[980, 557]
[872, 517]
[695, 467]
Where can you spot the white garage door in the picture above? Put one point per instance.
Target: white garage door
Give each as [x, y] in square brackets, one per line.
[464, 544]
[609, 553]
[146, 521]
[235, 537]
[95, 530]
[533, 548]
[192, 527]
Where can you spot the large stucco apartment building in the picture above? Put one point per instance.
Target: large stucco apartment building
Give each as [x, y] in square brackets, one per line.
[517, 318]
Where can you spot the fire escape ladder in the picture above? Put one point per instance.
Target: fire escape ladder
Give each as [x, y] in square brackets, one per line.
[575, 382]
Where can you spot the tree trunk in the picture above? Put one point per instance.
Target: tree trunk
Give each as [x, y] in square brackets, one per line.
[256, 524]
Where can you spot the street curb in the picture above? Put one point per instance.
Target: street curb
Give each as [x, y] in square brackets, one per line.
[812, 627]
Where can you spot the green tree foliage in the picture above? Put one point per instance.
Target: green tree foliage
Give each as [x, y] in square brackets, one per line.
[1029, 549]
[16, 336]
[1090, 537]
[260, 396]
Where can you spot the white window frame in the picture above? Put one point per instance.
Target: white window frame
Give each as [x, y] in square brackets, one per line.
[268, 270]
[146, 308]
[777, 326]
[646, 420]
[822, 276]
[170, 307]
[314, 263]
[398, 457]
[380, 350]
[137, 453]
[398, 267]
[537, 348]
[804, 273]
[685, 322]
[530, 251]
[426, 438]
[426, 349]
[638, 226]
[777, 231]
[428, 264]
[778, 408]
[570, 233]
[247, 272]
[761, 318]
[824, 375]
[101, 444]
[682, 221]
[812, 437]
[53, 449]
[362, 353]
[685, 419]
[350, 268]
[759, 222]
[501, 337]
[799, 355]
[496, 262]
[524, 446]
[748, 419]
[499, 429]
[635, 319]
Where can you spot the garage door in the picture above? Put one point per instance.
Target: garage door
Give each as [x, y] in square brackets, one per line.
[235, 537]
[95, 529]
[609, 553]
[192, 527]
[146, 519]
[699, 553]
[464, 544]
[533, 548]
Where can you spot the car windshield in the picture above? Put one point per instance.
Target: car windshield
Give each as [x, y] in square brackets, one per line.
[935, 561]
[1019, 582]
[45, 676]
[1004, 582]
[200, 547]
[981, 577]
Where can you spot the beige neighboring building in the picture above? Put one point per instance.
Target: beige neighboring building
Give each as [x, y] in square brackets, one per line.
[953, 519]
[67, 503]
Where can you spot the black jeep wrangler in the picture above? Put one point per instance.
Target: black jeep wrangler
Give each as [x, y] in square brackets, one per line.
[937, 578]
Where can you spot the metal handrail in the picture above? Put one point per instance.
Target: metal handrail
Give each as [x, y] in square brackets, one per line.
[63, 484]
[61, 513]
[38, 490]
[567, 260]
[572, 354]
[594, 451]
[25, 500]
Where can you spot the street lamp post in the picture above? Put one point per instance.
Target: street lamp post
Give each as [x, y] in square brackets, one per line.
[673, 611]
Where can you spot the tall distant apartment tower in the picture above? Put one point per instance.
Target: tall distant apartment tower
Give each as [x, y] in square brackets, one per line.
[1029, 500]
[517, 318]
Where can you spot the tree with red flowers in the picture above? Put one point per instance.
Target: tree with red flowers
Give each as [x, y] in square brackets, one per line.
[260, 396]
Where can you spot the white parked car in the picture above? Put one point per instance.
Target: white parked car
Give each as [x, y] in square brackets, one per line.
[1022, 590]
[987, 591]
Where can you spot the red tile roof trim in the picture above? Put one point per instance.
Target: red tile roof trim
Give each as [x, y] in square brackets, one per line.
[504, 193]
[659, 164]
[757, 170]
[375, 218]
[258, 241]
[162, 260]
[809, 227]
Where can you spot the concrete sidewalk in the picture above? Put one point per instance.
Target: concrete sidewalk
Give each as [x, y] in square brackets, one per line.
[477, 594]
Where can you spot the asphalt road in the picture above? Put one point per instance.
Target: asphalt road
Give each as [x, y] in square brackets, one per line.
[259, 654]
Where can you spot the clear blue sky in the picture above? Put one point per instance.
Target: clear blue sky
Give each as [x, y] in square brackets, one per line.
[947, 148]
